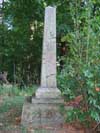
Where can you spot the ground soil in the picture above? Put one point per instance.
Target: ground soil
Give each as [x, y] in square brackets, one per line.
[10, 122]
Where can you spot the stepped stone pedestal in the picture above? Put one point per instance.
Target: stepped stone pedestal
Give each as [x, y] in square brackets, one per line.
[42, 112]
[44, 108]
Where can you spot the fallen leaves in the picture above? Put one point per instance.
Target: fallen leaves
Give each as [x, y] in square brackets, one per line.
[75, 102]
[18, 120]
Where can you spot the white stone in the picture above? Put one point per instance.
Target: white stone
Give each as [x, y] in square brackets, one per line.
[48, 86]
[44, 109]
[48, 93]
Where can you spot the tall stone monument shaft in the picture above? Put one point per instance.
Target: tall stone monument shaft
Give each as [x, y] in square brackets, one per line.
[48, 86]
[48, 76]
[43, 110]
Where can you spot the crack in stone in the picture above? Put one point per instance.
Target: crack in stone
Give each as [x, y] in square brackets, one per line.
[50, 75]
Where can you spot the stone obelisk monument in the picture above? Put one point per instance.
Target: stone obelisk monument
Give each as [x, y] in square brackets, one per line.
[44, 107]
[48, 88]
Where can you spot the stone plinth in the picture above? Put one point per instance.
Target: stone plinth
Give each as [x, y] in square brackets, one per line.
[42, 112]
[48, 93]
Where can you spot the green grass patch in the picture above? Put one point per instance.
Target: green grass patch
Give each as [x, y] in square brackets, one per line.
[16, 91]
[11, 102]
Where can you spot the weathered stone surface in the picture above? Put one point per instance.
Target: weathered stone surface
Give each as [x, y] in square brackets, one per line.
[44, 109]
[48, 76]
[47, 100]
[48, 87]
[42, 112]
[48, 93]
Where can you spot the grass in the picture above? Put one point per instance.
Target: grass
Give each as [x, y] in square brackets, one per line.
[15, 91]
[12, 99]
[11, 103]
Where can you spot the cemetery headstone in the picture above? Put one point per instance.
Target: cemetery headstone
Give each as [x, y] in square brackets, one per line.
[44, 110]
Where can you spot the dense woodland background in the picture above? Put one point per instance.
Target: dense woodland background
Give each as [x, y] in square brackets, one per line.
[78, 49]
[21, 34]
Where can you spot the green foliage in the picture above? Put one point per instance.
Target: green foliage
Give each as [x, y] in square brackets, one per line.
[16, 91]
[81, 74]
[13, 102]
[21, 33]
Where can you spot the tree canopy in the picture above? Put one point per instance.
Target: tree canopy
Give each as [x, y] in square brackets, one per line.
[21, 32]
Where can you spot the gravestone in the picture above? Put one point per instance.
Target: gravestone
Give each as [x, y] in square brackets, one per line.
[48, 88]
[44, 109]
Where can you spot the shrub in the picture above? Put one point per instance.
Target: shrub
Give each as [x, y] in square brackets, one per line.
[81, 73]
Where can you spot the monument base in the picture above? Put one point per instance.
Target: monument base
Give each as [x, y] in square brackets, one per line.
[42, 112]
[48, 93]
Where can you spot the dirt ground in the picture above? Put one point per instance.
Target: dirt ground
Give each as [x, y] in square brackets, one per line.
[10, 121]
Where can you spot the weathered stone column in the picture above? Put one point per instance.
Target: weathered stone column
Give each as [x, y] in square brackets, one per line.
[43, 110]
[48, 88]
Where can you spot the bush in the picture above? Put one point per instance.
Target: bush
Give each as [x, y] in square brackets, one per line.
[81, 73]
